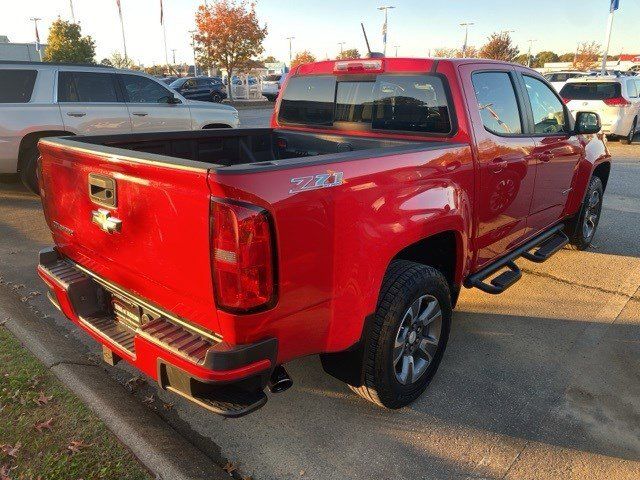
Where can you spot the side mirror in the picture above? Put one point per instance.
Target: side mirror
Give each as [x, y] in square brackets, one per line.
[587, 122]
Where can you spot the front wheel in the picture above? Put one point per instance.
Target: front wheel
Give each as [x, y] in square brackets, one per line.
[582, 230]
[216, 97]
[408, 337]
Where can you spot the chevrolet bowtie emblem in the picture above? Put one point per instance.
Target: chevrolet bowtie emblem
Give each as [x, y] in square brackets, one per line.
[105, 221]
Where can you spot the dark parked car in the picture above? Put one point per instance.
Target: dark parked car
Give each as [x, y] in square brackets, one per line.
[168, 80]
[208, 89]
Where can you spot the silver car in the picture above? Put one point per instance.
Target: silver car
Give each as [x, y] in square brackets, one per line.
[42, 100]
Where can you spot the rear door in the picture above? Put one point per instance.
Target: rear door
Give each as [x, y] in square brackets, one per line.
[149, 105]
[505, 159]
[91, 103]
[557, 152]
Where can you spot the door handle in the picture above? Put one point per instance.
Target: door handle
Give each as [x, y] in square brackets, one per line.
[497, 165]
[140, 114]
[76, 114]
[546, 157]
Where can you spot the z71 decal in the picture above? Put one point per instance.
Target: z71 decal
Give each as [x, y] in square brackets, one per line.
[314, 182]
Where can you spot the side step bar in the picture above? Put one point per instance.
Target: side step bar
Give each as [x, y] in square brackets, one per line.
[546, 244]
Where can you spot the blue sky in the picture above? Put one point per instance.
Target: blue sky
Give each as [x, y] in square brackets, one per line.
[318, 25]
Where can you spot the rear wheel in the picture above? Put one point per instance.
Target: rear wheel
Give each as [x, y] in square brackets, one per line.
[216, 97]
[582, 230]
[628, 140]
[408, 337]
[28, 164]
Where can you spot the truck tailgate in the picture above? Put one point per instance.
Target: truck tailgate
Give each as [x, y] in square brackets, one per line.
[161, 251]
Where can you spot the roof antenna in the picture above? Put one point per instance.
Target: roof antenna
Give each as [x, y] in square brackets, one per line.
[370, 54]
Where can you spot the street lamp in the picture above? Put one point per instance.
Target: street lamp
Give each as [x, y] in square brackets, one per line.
[193, 44]
[173, 51]
[290, 50]
[396, 47]
[531, 40]
[35, 21]
[341, 45]
[466, 26]
[384, 27]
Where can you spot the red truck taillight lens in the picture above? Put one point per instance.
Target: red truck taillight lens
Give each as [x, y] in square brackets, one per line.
[617, 101]
[242, 257]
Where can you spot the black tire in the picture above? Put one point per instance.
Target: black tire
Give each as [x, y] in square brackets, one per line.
[580, 237]
[216, 97]
[28, 165]
[628, 140]
[404, 283]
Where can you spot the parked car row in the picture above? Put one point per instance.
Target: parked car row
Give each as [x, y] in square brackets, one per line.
[40, 100]
[214, 89]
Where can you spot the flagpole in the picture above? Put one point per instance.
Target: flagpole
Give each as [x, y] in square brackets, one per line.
[164, 34]
[612, 9]
[384, 36]
[124, 41]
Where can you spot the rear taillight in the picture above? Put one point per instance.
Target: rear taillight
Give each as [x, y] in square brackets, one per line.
[616, 101]
[242, 256]
[357, 66]
[566, 100]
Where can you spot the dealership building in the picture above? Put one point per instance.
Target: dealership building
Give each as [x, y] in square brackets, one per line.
[19, 52]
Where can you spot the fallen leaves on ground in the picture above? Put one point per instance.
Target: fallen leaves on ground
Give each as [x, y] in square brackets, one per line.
[42, 399]
[76, 445]
[134, 383]
[230, 468]
[12, 451]
[4, 472]
[167, 406]
[44, 425]
[149, 400]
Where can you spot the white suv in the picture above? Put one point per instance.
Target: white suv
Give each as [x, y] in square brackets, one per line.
[43, 99]
[615, 98]
[271, 86]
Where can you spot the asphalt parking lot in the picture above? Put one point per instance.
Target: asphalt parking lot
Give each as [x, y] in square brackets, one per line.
[541, 382]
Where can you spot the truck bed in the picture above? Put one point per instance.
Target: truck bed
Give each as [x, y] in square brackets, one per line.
[244, 150]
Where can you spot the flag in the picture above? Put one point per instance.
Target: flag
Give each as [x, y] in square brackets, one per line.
[615, 4]
[161, 13]
[119, 9]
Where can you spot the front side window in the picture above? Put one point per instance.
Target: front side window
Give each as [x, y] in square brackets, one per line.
[16, 86]
[548, 112]
[86, 87]
[144, 90]
[497, 102]
[408, 103]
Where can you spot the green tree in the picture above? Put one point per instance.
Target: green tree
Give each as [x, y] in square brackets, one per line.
[66, 44]
[303, 57]
[269, 59]
[522, 59]
[499, 46]
[118, 60]
[545, 57]
[566, 57]
[348, 53]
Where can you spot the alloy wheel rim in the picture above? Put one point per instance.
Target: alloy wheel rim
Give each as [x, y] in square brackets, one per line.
[417, 339]
[591, 215]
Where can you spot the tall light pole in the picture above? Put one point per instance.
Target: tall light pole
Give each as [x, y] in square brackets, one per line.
[612, 8]
[531, 40]
[341, 45]
[466, 26]
[384, 27]
[396, 47]
[173, 50]
[124, 42]
[290, 50]
[35, 21]
[193, 45]
[73, 15]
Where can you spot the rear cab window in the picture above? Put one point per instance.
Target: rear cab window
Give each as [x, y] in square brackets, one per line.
[497, 102]
[590, 90]
[16, 86]
[388, 102]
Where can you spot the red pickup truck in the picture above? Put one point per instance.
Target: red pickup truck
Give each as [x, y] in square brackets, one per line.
[208, 259]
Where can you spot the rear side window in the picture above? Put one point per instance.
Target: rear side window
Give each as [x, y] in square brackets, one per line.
[632, 88]
[497, 102]
[408, 103]
[87, 87]
[16, 86]
[590, 90]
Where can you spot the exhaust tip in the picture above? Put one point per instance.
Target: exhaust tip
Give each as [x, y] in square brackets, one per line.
[280, 380]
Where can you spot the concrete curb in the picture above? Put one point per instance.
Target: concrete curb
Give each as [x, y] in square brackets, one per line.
[160, 448]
